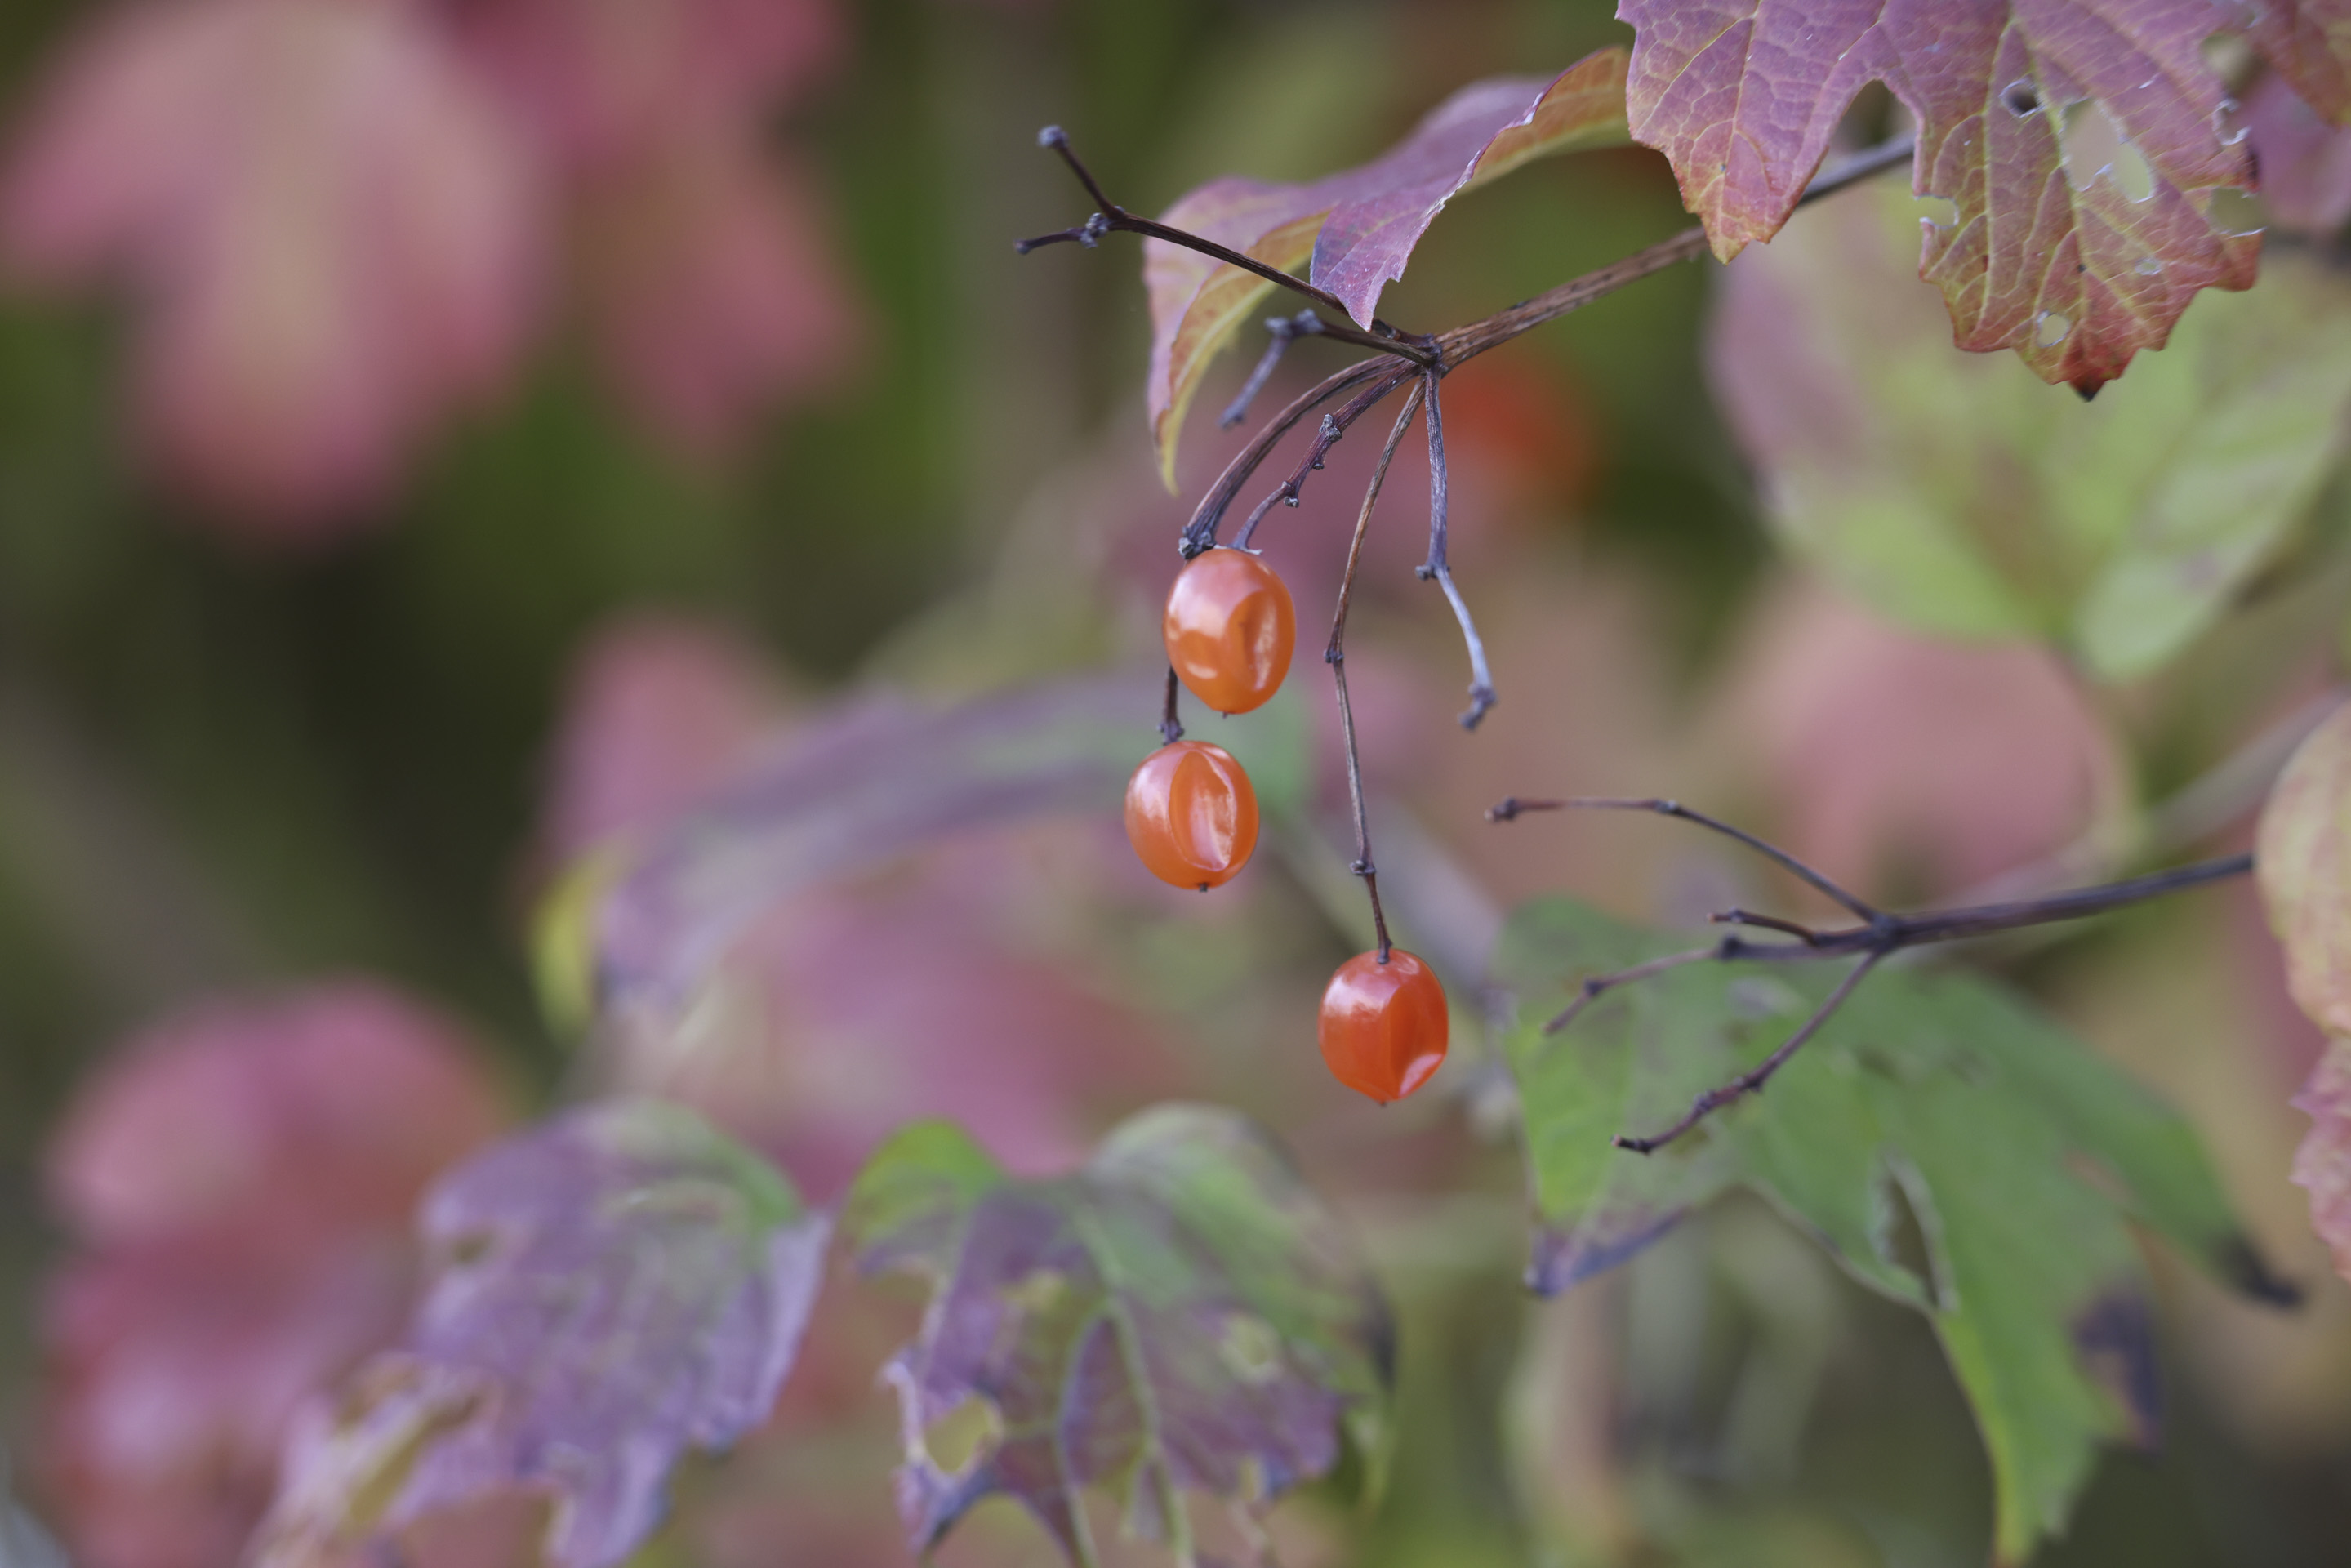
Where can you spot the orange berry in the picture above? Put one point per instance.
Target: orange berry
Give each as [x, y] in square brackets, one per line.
[1383, 1026]
[1230, 628]
[1191, 814]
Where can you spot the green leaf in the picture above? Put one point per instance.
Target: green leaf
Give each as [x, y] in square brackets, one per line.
[2018, 1152]
[1180, 1315]
[1962, 496]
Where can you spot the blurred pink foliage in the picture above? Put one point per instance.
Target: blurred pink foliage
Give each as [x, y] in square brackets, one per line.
[240, 1180]
[1897, 754]
[344, 218]
[2306, 163]
[661, 708]
[857, 1006]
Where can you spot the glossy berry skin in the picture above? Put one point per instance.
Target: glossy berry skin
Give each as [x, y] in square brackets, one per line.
[1384, 1028]
[1191, 814]
[1230, 629]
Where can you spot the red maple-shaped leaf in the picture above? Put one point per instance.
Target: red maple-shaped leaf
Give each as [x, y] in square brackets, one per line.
[2080, 143]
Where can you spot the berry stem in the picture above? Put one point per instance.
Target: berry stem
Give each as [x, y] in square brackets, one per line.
[1171, 728]
[1326, 437]
[1334, 654]
[1481, 678]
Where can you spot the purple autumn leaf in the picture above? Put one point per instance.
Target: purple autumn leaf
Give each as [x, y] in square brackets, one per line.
[613, 1288]
[882, 777]
[1357, 226]
[1181, 1315]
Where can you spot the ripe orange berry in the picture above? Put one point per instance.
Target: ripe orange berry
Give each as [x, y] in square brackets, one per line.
[1230, 628]
[1383, 1026]
[1191, 814]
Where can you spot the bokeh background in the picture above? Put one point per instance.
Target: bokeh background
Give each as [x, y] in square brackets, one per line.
[440, 439]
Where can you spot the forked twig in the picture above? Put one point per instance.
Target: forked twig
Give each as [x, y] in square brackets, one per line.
[1880, 935]
[1112, 218]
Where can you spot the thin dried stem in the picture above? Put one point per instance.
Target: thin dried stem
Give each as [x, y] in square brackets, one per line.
[1596, 986]
[1752, 1081]
[1280, 332]
[1171, 728]
[1509, 809]
[1200, 533]
[1481, 676]
[1112, 218]
[1326, 435]
[1472, 338]
[1334, 654]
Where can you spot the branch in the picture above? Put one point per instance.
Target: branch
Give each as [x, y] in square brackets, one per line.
[1279, 331]
[1508, 809]
[1879, 937]
[1475, 338]
[1112, 218]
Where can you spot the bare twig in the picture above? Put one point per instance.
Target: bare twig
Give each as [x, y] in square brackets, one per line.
[1279, 331]
[1334, 654]
[1200, 533]
[1326, 435]
[1879, 937]
[1596, 986]
[1469, 340]
[1112, 218]
[1481, 678]
[1510, 806]
[1752, 1081]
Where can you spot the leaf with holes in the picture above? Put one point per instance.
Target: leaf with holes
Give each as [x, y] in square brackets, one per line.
[1954, 495]
[2019, 1155]
[611, 1289]
[2082, 144]
[1356, 227]
[1181, 1315]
